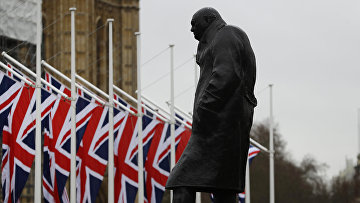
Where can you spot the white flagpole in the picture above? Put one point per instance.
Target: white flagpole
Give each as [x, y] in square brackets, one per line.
[177, 109]
[37, 189]
[31, 73]
[73, 112]
[165, 112]
[359, 129]
[198, 197]
[271, 146]
[172, 113]
[247, 182]
[140, 144]
[111, 118]
[198, 194]
[22, 78]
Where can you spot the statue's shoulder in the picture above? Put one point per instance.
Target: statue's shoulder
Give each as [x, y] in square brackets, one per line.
[234, 34]
[231, 32]
[234, 30]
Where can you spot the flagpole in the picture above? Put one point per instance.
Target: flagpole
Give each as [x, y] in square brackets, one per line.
[165, 112]
[271, 146]
[247, 181]
[143, 105]
[31, 73]
[16, 74]
[177, 109]
[73, 112]
[140, 144]
[358, 130]
[111, 117]
[172, 113]
[37, 189]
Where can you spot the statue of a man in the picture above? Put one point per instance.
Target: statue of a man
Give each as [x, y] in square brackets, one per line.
[214, 159]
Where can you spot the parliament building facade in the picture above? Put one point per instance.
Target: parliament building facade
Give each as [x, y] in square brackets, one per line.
[91, 49]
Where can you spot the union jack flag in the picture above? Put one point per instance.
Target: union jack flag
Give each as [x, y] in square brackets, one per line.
[253, 151]
[57, 147]
[83, 94]
[19, 139]
[92, 156]
[11, 75]
[8, 91]
[157, 165]
[126, 153]
[57, 142]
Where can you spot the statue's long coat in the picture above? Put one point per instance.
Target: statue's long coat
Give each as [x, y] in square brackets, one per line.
[216, 154]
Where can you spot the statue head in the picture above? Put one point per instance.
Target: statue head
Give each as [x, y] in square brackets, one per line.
[202, 19]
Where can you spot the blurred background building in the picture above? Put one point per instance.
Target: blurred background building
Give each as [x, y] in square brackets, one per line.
[91, 38]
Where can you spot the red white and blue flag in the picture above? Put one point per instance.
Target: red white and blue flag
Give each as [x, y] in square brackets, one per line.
[253, 151]
[92, 156]
[157, 165]
[11, 75]
[57, 142]
[17, 102]
[57, 147]
[19, 139]
[8, 91]
[126, 153]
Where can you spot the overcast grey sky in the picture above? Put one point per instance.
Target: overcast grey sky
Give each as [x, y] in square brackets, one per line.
[308, 49]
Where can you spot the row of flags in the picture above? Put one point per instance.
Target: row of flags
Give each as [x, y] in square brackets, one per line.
[17, 125]
[17, 113]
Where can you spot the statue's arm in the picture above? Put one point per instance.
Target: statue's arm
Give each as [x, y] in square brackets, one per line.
[224, 78]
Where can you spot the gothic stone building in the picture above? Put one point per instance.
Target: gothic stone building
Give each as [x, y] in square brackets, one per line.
[92, 39]
[91, 47]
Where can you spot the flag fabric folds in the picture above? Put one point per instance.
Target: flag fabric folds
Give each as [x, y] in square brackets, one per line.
[57, 147]
[125, 165]
[57, 144]
[19, 139]
[92, 156]
[8, 91]
[17, 123]
[253, 151]
[157, 165]
[126, 152]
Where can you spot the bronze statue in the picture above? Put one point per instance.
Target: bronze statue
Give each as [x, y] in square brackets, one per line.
[214, 159]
